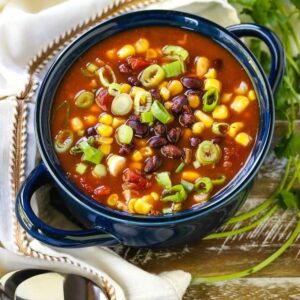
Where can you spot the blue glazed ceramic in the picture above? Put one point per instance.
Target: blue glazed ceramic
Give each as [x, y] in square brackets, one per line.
[110, 227]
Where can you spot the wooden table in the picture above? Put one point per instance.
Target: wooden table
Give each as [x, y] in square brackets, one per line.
[281, 280]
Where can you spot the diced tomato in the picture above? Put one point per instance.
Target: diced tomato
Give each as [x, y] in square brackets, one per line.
[137, 63]
[134, 178]
[101, 191]
[103, 99]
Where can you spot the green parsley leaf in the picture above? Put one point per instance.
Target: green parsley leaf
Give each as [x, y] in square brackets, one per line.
[289, 146]
[289, 200]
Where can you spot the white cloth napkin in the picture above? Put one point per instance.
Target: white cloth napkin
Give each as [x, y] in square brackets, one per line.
[25, 30]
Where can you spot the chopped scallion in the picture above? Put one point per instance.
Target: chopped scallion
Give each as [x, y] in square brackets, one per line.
[204, 185]
[147, 117]
[152, 76]
[189, 187]
[63, 140]
[103, 78]
[210, 100]
[84, 99]
[114, 89]
[121, 105]
[180, 168]
[176, 193]
[219, 180]
[124, 134]
[175, 50]
[90, 153]
[142, 101]
[163, 179]
[172, 69]
[81, 168]
[160, 112]
[99, 171]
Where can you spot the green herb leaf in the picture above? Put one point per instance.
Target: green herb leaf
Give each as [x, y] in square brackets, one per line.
[288, 200]
[289, 146]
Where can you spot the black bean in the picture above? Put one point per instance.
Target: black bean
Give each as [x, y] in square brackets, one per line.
[152, 164]
[126, 149]
[171, 151]
[174, 135]
[216, 140]
[194, 141]
[178, 103]
[187, 119]
[157, 141]
[124, 68]
[160, 129]
[155, 94]
[140, 130]
[133, 81]
[191, 82]
[90, 131]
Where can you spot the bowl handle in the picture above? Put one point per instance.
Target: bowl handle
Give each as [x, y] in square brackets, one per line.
[45, 233]
[273, 43]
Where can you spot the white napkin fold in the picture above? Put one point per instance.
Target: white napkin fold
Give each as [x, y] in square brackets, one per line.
[22, 35]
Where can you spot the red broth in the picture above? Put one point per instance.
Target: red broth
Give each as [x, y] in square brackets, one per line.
[209, 72]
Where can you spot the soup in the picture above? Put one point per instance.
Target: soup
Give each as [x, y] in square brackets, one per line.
[154, 120]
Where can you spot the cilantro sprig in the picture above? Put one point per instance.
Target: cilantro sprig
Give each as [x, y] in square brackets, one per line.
[280, 16]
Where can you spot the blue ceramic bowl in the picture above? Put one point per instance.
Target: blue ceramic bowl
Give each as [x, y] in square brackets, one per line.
[110, 227]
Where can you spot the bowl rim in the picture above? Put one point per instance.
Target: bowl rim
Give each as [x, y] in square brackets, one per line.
[161, 18]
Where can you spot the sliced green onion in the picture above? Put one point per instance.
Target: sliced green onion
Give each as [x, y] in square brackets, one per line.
[63, 140]
[176, 50]
[172, 69]
[114, 89]
[90, 153]
[163, 179]
[138, 98]
[66, 105]
[81, 168]
[103, 79]
[210, 99]
[167, 210]
[208, 153]
[124, 134]
[92, 68]
[220, 128]
[219, 180]
[99, 171]
[180, 168]
[152, 76]
[77, 149]
[121, 105]
[189, 187]
[177, 194]
[147, 117]
[160, 112]
[204, 185]
[84, 99]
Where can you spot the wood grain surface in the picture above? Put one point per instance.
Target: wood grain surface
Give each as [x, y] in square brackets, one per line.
[280, 280]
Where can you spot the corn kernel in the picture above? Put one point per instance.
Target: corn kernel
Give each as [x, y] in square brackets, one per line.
[226, 97]
[121, 206]
[151, 54]
[130, 205]
[165, 93]
[137, 156]
[243, 139]
[125, 88]
[135, 90]
[105, 140]
[163, 84]
[202, 65]
[239, 103]
[117, 122]
[90, 120]
[251, 95]
[76, 124]
[190, 175]
[93, 84]
[136, 165]
[242, 89]
[168, 105]
[104, 130]
[175, 87]
[105, 149]
[221, 112]
[155, 196]
[198, 128]
[95, 108]
[81, 132]
[204, 118]
[234, 128]
[141, 45]
[212, 83]
[112, 199]
[194, 101]
[111, 53]
[125, 51]
[211, 73]
[187, 133]
[142, 207]
[106, 119]
[147, 199]
[146, 151]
